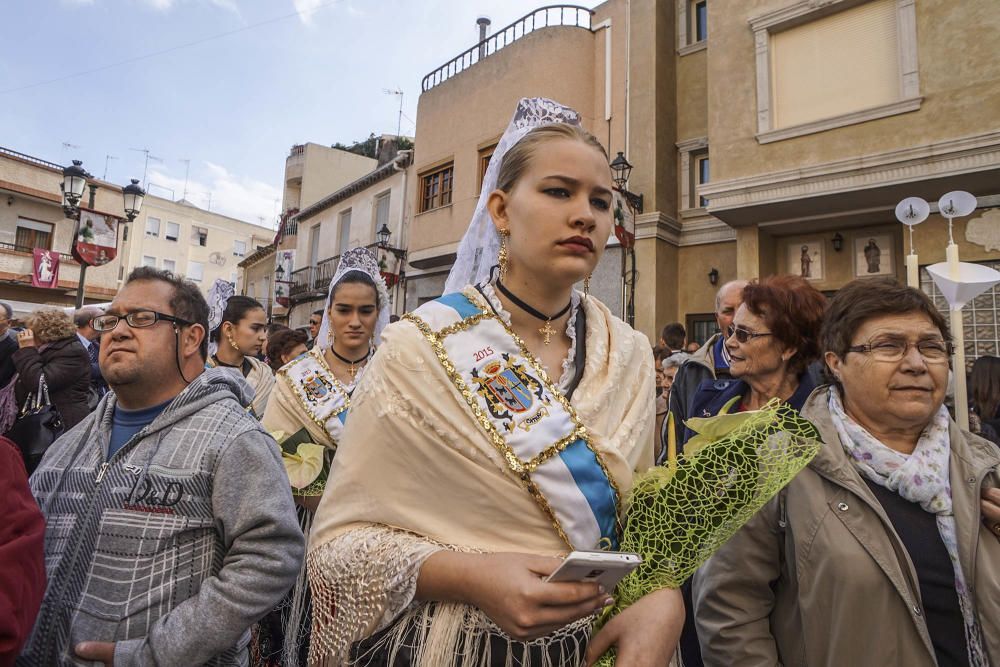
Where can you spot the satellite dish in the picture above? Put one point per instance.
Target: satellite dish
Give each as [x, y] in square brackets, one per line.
[217, 258]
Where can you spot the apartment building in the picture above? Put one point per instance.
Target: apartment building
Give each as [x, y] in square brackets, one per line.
[31, 216]
[766, 136]
[181, 237]
[347, 218]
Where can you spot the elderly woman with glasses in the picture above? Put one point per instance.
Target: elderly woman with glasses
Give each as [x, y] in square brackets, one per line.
[771, 342]
[885, 550]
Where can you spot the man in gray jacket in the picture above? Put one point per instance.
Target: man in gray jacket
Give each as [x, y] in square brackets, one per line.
[170, 523]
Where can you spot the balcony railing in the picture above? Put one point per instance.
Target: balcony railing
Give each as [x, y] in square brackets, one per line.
[312, 282]
[63, 257]
[572, 16]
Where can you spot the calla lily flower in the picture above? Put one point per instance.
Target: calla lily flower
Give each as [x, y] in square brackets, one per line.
[305, 465]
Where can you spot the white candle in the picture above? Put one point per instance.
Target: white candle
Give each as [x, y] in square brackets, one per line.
[958, 368]
[912, 271]
[951, 253]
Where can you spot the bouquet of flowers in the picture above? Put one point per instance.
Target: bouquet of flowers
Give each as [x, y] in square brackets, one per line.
[680, 513]
[305, 462]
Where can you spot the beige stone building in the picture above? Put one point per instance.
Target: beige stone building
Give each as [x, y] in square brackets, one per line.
[31, 216]
[767, 136]
[346, 218]
[181, 237]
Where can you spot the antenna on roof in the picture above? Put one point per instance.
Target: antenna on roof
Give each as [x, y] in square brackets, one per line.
[107, 159]
[187, 169]
[398, 92]
[145, 166]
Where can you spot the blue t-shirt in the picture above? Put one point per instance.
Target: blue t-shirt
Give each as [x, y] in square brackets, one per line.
[126, 423]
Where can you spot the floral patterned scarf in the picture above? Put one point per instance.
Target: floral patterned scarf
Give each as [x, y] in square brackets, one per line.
[920, 477]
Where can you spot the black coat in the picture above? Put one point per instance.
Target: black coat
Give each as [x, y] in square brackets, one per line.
[67, 374]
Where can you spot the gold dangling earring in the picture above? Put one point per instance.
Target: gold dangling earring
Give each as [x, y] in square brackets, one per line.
[329, 338]
[502, 258]
[232, 342]
[586, 285]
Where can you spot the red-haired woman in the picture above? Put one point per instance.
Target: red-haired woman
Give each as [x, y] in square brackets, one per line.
[772, 341]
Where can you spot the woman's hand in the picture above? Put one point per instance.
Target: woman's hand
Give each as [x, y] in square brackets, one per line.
[991, 510]
[25, 338]
[511, 590]
[645, 634]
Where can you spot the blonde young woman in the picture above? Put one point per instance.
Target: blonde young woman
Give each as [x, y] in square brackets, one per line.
[497, 429]
[238, 329]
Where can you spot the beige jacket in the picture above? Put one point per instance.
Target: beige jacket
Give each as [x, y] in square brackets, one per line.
[820, 577]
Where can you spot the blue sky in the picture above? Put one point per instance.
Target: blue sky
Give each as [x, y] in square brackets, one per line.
[291, 71]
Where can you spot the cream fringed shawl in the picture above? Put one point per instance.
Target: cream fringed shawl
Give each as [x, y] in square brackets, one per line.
[286, 412]
[415, 472]
[260, 378]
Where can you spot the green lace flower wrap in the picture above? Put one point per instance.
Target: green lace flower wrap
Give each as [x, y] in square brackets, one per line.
[679, 514]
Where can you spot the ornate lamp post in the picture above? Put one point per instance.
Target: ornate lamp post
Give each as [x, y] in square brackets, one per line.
[75, 180]
[621, 169]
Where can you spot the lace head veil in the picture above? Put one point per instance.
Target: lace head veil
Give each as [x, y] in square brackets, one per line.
[479, 246]
[357, 260]
[218, 297]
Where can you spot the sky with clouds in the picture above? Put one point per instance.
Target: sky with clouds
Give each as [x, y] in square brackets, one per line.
[228, 85]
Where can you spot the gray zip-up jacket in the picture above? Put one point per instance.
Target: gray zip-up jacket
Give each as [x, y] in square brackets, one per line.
[174, 547]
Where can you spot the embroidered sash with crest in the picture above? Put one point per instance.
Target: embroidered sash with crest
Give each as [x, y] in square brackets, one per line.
[526, 418]
[318, 391]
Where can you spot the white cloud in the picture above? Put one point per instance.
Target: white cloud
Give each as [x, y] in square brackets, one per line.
[236, 196]
[305, 8]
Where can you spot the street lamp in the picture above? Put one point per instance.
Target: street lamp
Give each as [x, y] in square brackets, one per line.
[622, 169]
[133, 195]
[75, 180]
[279, 273]
[382, 235]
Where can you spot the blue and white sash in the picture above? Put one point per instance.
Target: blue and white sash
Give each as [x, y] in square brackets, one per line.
[526, 418]
[318, 391]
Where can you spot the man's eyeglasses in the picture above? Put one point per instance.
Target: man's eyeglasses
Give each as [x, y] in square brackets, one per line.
[890, 349]
[743, 334]
[139, 319]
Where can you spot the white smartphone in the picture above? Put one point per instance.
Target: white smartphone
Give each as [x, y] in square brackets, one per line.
[603, 567]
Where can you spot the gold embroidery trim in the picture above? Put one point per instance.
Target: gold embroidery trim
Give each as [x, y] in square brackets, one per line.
[304, 402]
[498, 442]
[520, 468]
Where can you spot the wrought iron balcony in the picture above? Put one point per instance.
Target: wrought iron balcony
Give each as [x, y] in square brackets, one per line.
[312, 282]
[572, 16]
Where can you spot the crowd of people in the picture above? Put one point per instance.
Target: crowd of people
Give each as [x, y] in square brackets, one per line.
[220, 490]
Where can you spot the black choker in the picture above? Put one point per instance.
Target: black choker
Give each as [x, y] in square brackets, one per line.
[547, 330]
[352, 370]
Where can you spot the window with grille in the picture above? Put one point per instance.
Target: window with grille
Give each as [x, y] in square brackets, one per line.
[33, 234]
[980, 317]
[436, 187]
